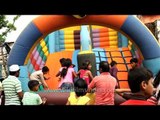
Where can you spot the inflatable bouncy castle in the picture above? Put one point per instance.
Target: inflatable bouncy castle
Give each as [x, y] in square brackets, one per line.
[96, 37]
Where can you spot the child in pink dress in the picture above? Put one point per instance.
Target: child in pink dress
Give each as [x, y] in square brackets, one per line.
[85, 72]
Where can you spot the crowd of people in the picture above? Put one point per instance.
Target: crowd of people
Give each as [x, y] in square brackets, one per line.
[143, 87]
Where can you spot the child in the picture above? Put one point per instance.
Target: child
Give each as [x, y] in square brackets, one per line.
[62, 62]
[113, 71]
[67, 76]
[85, 72]
[31, 97]
[78, 97]
[134, 63]
[40, 76]
[140, 82]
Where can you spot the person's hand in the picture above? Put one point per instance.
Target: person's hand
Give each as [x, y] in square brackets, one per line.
[44, 100]
[46, 87]
[59, 78]
[46, 76]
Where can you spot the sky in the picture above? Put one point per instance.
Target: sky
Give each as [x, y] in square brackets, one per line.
[20, 24]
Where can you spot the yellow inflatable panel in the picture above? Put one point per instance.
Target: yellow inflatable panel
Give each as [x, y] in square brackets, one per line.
[111, 30]
[113, 33]
[113, 43]
[44, 49]
[69, 32]
[46, 53]
[42, 43]
[113, 38]
[66, 36]
[72, 28]
[69, 41]
[69, 46]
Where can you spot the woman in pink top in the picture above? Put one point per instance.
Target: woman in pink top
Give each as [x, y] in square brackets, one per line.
[67, 75]
[85, 72]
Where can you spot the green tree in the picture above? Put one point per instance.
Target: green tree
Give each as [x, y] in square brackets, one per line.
[6, 27]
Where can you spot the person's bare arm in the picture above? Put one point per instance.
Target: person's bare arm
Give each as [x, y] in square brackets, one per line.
[121, 91]
[74, 74]
[2, 98]
[91, 87]
[68, 103]
[43, 81]
[20, 95]
[90, 75]
[88, 103]
[58, 74]
[78, 72]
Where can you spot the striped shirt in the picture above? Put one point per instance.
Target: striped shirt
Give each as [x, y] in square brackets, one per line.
[31, 98]
[11, 87]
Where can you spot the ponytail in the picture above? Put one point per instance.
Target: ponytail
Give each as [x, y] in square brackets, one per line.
[64, 72]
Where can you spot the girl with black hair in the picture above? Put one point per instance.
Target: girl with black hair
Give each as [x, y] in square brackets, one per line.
[85, 72]
[67, 75]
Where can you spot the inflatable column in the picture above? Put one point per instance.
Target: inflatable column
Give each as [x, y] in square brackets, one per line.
[86, 50]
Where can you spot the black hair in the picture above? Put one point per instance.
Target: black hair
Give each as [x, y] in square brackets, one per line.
[104, 65]
[67, 64]
[113, 63]
[80, 87]
[85, 64]
[32, 84]
[137, 76]
[16, 73]
[12, 73]
[135, 60]
[156, 80]
[45, 69]
[62, 61]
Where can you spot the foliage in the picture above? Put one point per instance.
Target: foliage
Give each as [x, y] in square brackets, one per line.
[6, 27]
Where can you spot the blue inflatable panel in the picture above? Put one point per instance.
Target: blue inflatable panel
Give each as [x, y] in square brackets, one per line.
[74, 59]
[30, 67]
[16, 56]
[142, 37]
[100, 56]
[23, 71]
[57, 48]
[62, 47]
[153, 65]
[52, 41]
[119, 40]
[61, 32]
[61, 37]
[29, 36]
[24, 43]
[24, 83]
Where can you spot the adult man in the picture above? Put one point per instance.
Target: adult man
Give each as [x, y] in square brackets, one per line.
[12, 89]
[104, 84]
